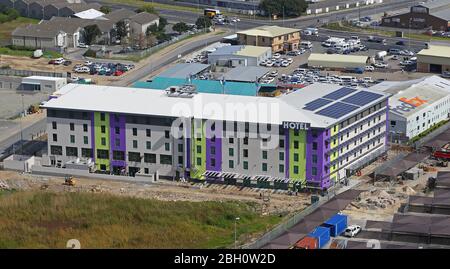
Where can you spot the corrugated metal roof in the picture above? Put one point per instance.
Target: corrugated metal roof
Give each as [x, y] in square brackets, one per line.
[253, 51]
[246, 73]
[226, 50]
[357, 59]
[183, 70]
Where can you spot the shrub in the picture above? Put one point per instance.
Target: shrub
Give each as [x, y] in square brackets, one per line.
[90, 53]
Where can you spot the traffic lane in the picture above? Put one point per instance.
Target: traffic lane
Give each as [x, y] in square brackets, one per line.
[8, 145]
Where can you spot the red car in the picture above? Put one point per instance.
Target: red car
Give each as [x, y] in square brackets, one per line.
[118, 73]
[51, 62]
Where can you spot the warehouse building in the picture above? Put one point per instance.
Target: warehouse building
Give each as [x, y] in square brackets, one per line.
[416, 106]
[337, 61]
[309, 138]
[44, 84]
[434, 59]
[434, 14]
[277, 38]
[233, 56]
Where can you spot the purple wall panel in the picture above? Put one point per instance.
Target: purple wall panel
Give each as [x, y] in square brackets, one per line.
[218, 151]
[118, 121]
[188, 155]
[321, 176]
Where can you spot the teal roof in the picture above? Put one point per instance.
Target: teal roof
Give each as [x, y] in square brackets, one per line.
[204, 86]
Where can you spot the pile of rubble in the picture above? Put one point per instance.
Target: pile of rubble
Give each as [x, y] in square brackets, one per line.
[4, 186]
[376, 198]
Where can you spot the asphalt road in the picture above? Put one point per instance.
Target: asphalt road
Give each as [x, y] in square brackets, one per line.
[301, 22]
[182, 50]
[8, 145]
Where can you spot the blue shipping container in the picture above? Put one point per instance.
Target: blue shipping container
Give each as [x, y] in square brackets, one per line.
[337, 224]
[322, 234]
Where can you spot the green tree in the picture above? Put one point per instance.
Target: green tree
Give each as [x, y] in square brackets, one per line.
[180, 27]
[147, 8]
[162, 23]
[121, 29]
[203, 22]
[290, 8]
[90, 33]
[105, 9]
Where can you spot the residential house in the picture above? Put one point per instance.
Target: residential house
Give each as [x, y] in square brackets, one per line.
[141, 21]
[39, 37]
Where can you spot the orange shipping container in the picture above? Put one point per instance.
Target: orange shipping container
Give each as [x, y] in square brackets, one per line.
[307, 243]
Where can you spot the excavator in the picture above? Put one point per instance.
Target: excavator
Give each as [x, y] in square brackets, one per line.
[69, 181]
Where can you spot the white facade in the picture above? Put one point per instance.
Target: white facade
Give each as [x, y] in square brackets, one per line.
[416, 105]
[41, 83]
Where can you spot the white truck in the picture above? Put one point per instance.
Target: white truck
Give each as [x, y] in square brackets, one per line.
[380, 55]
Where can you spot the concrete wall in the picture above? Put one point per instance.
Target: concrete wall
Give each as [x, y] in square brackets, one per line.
[10, 83]
[19, 163]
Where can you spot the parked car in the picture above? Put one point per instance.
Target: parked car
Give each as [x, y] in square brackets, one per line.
[407, 62]
[395, 57]
[276, 55]
[370, 68]
[445, 74]
[380, 65]
[400, 43]
[82, 45]
[352, 230]
[67, 63]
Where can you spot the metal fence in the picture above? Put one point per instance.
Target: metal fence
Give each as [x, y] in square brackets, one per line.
[28, 73]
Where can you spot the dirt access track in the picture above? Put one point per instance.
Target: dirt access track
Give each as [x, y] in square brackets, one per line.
[279, 203]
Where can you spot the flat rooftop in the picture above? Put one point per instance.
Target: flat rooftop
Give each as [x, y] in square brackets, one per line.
[44, 78]
[436, 51]
[246, 73]
[358, 59]
[429, 89]
[184, 70]
[294, 107]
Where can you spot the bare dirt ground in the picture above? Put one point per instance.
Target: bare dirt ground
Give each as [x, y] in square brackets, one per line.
[381, 200]
[280, 203]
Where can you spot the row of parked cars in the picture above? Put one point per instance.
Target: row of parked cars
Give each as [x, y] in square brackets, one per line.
[107, 69]
[308, 76]
[60, 61]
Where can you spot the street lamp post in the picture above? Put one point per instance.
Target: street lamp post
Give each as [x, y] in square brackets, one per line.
[235, 232]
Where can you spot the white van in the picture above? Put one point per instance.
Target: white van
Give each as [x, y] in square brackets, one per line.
[306, 44]
[346, 79]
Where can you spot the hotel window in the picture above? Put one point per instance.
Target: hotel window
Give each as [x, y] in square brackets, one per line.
[117, 142]
[148, 132]
[165, 159]
[245, 140]
[281, 156]
[85, 127]
[282, 143]
[72, 139]
[135, 144]
[264, 167]
[54, 126]
[72, 126]
[314, 171]
[281, 168]
[134, 131]
[199, 161]
[102, 154]
[85, 140]
[117, 130]
[295, 157]
[167, 146]
[56, 150]
[55, 138]
[102, 116]
[199, 149]
[231, 152]
[118, 155]
[245, 165]
[295, 144]
[264, 154]
[231, 140]
[72, 151]
[314, 158]
[166, 134]
[230, 164]
[180, 147]
[295, 169]
[103, 129]
[245, 153]
[213, 162]
[149, 145]
[314, 146]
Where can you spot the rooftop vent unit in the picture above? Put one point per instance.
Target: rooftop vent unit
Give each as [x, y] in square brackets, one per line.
[184, 91]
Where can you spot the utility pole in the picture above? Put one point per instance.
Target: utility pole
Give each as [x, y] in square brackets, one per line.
[235, 232]
[21, 129]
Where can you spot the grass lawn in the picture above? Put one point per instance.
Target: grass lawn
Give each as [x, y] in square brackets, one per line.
[28, 53]
[140, 3]
[7, 27]
[43, 219]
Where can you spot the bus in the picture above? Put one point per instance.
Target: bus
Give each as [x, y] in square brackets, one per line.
[211, 12]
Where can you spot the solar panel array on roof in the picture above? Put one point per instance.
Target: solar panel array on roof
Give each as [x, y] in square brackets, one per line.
[337, 110]
[339, 93]
[318, 103]
[362, 98]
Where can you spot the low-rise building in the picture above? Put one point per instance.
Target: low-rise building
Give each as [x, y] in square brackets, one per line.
[38, 37]
[434, 59]
[314, 137]
[275, 37]
[239, 55]
[433, 14]
[416, 106]
[43, 84]
[337, 61]
[141, 21]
